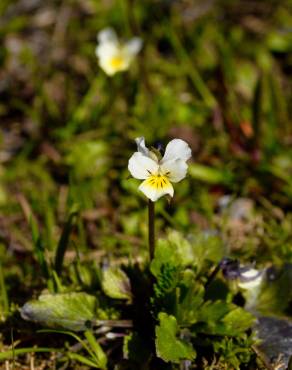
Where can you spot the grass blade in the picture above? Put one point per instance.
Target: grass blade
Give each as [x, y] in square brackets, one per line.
[3, 295]
[9, 355]
[63, 243]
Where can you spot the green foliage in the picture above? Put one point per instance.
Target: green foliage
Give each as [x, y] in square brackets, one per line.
[221, 318]
[39, 248]
[190, 298]
[164, 289]
[98, 353]
[169, 346]
[210, 175]
[207, 248]
[66, 134]
[63, 242]
[197, 250]
[4, 303]
[181, 297]
[95, 356]
[116, 284]
[73, 311]
[235, 353]
[88, 158]
[179, 312]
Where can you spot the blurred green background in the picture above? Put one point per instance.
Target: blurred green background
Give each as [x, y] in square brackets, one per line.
[216, 74]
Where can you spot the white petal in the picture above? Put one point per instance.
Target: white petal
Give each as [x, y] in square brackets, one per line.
[140, 141]
[250, 274]
[133, 46]
[175, 170]
[111, 66]
[142, 148]
[153, 192]
[177, 149]
[251, 284]
[107, 35]
[141, 166]
[111, 59]
[106, 50]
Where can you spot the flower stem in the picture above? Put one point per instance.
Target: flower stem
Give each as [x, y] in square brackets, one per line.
[151, 228]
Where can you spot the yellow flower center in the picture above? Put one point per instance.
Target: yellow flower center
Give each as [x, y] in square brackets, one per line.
[117, 62]
[157, 181]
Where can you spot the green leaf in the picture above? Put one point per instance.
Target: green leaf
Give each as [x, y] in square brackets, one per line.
[39, 248]
[182, 247]
[176, 251]
[97, 357]
[209, 174]
[84, 360]
[3, 195]
[238, 321]
[116, 284]
[73, 335]
[214, 311]
[4, 300]
[168, 346]
[100, 356]
[206, 247]
[234, 352]
[190, 294]
[165, 289]
[164, 255]
[73, 311]
[222, 318]
[64, 241]
[166, 267]
[88, 158]
[12, 353]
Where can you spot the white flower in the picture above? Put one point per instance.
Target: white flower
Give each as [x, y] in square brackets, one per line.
[159, 174]
[250, 278]
[114, 56]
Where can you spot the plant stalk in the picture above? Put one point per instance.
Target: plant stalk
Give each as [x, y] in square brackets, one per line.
[151, 229]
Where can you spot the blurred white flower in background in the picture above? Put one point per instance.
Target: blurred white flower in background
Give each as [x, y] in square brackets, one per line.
[250, 278]
[159, 173]
[115, 56]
